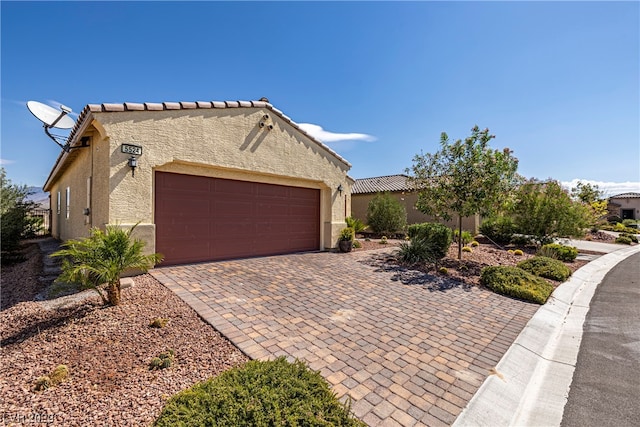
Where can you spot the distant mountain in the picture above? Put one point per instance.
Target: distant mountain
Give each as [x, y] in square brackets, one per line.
[39, 197]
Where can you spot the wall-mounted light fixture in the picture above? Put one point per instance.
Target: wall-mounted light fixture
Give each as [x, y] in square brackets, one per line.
[266, 122]
[133, 164]
[340, 188]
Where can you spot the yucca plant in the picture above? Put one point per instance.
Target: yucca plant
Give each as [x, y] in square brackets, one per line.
[102, 258]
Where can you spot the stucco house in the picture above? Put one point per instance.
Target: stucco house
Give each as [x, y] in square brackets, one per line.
[204, 180]
[625, 205]
[365, 189]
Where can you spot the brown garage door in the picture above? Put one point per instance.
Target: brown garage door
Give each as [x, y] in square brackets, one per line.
[204, 219]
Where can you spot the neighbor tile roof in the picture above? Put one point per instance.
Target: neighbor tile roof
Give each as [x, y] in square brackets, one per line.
[381, 184]
[626, 196]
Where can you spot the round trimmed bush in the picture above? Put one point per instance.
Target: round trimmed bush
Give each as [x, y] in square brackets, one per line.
[517, 283]
[260, 393]
[623, 239]
[557, 251]
[548, 268]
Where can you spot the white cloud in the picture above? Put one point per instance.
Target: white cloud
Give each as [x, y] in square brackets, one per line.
[608, 188]
[326, 136]
[6, 162]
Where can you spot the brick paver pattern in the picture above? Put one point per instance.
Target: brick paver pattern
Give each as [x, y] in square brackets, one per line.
[408, 353]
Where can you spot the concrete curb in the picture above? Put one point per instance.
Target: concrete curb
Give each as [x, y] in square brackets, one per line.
[532, 383]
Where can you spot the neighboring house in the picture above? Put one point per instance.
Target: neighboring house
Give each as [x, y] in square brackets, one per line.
[625, 205]
[204, 180]
[365, 189]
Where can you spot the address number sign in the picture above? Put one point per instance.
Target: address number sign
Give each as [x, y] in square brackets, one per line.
[131, 149]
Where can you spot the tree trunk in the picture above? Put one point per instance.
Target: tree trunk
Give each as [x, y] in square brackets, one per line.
[459, 237]
[113, 292]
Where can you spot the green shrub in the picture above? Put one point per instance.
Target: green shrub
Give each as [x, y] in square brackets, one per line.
[261, 393]
[520, 239]
[629, 222]
[499, 229]
[517, 283]
[631, 237]
[518, 252]
[385, 214]
[357, 244]
[474, 244]
[557, 251]
[623, 239]
[431, 240]
[466, 236]
[357, 225]
[548, 268]
[443, 270]
[383, 240]
[347, 233]
[467, 249]
[620, 227]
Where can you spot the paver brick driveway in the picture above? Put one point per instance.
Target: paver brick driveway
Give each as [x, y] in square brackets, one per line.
[407, 350]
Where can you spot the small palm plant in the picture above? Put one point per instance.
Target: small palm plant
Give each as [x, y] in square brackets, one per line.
[102, 258]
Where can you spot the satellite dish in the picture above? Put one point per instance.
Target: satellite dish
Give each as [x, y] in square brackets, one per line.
[51, 117]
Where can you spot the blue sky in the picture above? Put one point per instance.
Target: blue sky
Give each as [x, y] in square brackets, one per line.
[557, 82]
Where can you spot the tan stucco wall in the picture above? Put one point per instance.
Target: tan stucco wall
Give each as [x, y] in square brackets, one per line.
[360, 203]
[223, 143]
[626, 203]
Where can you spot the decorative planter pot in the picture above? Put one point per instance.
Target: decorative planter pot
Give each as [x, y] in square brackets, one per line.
[345, 245]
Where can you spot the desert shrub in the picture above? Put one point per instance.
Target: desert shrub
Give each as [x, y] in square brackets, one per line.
[629, 222]
[499, 229]
[521, 239]
[631, 237]
[518, 252]
[623, 239]
[443, 270]
[355, 223]
[474, 244]
[466, 236]
[16, 222]
[386, 214]
[548, 268]
[260, 393]
[432, 240]
[467, 249]
[517, 283]
[557, 251]
[383, 240]
[357, 244]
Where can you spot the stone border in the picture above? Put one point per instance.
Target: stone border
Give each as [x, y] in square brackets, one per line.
[530, 385]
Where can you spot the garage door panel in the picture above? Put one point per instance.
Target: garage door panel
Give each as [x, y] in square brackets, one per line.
[202, 218]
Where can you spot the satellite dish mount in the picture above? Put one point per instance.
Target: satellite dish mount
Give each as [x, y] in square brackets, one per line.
[54, 118]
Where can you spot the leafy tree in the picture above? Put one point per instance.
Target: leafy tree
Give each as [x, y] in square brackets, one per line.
[14, 213]
[545, 210]
[592, 197]
[463, 178]
[385, 214]
[102, 258]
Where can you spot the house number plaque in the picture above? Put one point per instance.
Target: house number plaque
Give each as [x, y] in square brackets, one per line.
[131, 149]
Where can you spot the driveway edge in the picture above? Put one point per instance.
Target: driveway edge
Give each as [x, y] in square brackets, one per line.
[532, 380]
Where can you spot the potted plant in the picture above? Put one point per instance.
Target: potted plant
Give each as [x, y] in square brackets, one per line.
[345, 243]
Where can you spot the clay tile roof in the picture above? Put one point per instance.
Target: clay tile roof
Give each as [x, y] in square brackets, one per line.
[381, 184]
[626, 196]
[160, 106]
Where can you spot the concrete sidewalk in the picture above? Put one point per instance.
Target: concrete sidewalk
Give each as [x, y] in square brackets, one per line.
[532, 380]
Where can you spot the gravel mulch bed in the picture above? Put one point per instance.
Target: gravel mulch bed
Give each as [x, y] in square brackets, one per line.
[107, 351]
